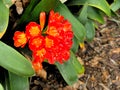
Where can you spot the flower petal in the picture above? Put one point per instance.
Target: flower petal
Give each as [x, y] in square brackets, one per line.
[32, 30]
[36, 43]
[20, 39]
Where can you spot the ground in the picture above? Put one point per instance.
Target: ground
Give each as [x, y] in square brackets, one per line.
[101, 60]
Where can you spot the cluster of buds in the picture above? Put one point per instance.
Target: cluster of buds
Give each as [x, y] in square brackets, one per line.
[52, 43]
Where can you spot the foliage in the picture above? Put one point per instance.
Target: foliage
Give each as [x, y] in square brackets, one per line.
[83, 22]
[3, 18]
[115, 5]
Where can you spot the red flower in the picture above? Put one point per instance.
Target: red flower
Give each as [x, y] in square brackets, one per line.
[51, 30]
[60, 45]
[33, 29]
[50, 56]
[55, 17]
[67, 26]
[52, 44]
[40, 54]
[20, 39]
[36, 43]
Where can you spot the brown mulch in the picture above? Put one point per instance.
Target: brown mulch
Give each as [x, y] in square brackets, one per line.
[101, 60]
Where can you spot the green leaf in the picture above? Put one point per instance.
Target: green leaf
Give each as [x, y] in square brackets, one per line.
[90, 30]
[78, 67]
[115, 5]
[4, 16]
[14, 62]
[18, 82]
[95, 14]
[8, 3]
[78, 28]
[75, 45]
[1, 87]
[100, 4]
[68, 72]
[83, 14]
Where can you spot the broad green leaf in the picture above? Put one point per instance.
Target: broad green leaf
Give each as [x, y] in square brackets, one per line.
[68, 72]
[115, 5]
[78, 28]
[4, 16]
[18, 82]
[1, 87]
[83, 14]
[75, 45]
[100, 4]
[78, 67]
[8, 3]
[90, 30]
[95, 14]
[14, 62]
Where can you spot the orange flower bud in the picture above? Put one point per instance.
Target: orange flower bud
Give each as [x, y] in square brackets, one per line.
[42, 20]
[20, 39]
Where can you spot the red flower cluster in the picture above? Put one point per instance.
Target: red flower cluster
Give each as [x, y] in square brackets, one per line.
[52, 44]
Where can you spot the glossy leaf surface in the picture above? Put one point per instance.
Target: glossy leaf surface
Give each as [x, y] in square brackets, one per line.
[14, 62]
[83, 14]
[68, 72]
[78, 67]
[90, 30]
[8, 3]
[100, 4]
[95, 14]
[4, 16]
[1, 87]
[115, 5]
[18, 82]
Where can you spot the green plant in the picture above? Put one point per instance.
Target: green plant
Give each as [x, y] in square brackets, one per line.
[19, 68]
[115, 5]
[83, 25]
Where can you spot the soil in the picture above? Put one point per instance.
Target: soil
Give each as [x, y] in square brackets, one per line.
[101, 60]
